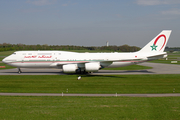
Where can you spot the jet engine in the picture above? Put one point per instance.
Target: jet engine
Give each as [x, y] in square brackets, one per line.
[92, 67]
[71, 68]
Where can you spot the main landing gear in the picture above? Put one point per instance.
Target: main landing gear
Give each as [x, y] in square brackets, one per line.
[82, 71]
[19, 71]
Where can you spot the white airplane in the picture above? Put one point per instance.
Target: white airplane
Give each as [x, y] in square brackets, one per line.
[73, 62]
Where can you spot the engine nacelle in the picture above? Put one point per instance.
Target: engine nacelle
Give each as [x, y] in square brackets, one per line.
[92, 67]
[71, 68]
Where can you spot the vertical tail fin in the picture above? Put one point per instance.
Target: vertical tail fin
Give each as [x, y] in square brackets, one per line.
[158, 44]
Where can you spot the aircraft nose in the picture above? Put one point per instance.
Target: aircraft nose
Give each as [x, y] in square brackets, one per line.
[4, 60]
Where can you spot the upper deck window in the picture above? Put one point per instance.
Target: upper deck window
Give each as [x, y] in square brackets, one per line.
[44, 53]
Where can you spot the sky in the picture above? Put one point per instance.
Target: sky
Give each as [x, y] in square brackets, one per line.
[88, 22]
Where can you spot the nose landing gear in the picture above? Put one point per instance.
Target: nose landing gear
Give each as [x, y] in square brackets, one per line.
[19, 71]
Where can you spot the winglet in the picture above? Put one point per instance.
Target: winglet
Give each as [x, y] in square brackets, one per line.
[158, 44]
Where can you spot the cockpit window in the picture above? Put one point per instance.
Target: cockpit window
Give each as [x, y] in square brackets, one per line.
[14, 53]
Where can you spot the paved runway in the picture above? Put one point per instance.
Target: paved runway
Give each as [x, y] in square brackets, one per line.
[157, 69]
[90, 95]
[31, 71]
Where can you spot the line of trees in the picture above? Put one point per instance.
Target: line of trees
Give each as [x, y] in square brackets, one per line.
[123, 48]
[172, 49]
[16, 47]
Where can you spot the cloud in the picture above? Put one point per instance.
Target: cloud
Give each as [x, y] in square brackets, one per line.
[171, 12]
[157, 2]
[41, 2]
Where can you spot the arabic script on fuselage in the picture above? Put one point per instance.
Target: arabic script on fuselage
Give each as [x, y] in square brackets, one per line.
[34, 56]
[44, 56]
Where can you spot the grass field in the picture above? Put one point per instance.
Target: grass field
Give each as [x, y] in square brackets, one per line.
[6, 53]
[89, 108]
[90, 84]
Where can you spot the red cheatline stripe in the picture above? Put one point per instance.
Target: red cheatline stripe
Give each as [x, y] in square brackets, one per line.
[64, 61]
[50, 62]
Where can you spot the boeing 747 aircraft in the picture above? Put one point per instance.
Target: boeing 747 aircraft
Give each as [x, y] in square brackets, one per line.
[73, 62]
